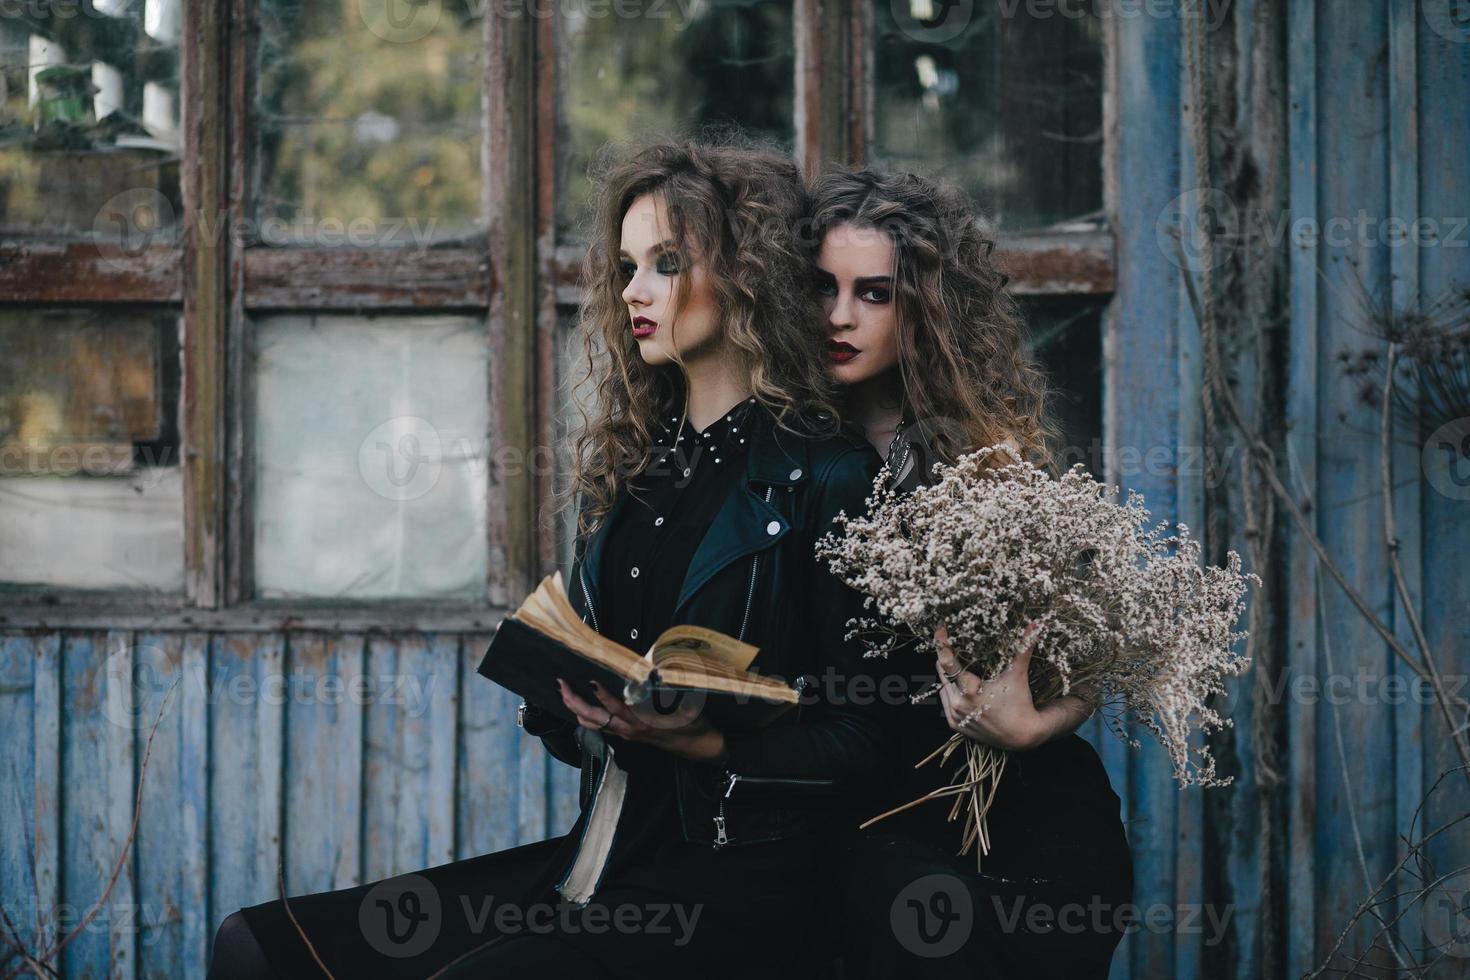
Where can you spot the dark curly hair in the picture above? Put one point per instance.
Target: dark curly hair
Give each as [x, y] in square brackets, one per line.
[961, 354]
[738, 204]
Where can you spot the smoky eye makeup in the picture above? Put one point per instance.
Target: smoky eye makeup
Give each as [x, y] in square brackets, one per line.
[874, 289]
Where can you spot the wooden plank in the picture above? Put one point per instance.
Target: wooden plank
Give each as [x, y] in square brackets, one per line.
[205, 298]
[232, 810]
[239, 356]
[192, 818]
[438, 694]
[349, 666]
[309, 777]
[19, 745]
[1189, 494]
[1403, 182]
[78, 272]
[120, 754]
[1443, 60]
[1143, 407]
[46, 839]
[414, 747]
[375, 279]
[157, 663]
[1301, 463]
[381, 765]
[511, 207]
[270, 717]
[487, 800]
[407, 616]
[1354, 821]
[828, 117]
[86, 846]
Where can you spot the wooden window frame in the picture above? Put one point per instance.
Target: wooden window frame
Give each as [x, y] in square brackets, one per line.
[514, 276]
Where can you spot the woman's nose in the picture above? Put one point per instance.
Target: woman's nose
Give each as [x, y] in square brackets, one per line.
[636, 292]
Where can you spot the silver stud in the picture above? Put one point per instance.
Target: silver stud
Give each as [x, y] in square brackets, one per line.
[635, 571]
[717, 459]
[686, 471]
[658, 521]
[796, 473]
[774, 527]
[633, 633]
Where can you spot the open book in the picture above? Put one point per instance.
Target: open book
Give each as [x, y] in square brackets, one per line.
[545, 639]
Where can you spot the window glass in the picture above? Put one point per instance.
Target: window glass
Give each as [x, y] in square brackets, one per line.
[367, 122]
[1004, 99]
[645, 67]
[89, 120]
[370, 457]
[90, 490]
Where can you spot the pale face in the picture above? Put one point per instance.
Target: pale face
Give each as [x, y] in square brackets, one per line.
[651, 265]
[855, 281]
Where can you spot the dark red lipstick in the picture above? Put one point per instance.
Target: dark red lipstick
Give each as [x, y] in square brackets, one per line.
[840, 352]
[644, 327]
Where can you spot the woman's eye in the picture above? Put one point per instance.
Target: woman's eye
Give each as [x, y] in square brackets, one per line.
[668, 265]
[626, 271]
[826, 289]
[879, 296]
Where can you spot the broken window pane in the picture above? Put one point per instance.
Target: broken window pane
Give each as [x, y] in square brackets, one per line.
[89, 120]
[367, 121]
[91, 495]
[1005, 100]
[643, 67]
[370, 461]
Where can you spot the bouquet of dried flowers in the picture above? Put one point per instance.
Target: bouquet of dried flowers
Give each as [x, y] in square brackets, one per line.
[1124, 615]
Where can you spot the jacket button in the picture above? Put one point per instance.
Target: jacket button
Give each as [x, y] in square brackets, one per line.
[796, 474]
[774, 527]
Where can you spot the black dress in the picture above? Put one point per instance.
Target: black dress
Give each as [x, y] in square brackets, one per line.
[1053, 891]
[654, 912]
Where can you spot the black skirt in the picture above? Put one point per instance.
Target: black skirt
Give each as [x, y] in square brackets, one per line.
[1052, 896]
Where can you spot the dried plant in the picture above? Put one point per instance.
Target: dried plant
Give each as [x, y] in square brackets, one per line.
[1126, 615]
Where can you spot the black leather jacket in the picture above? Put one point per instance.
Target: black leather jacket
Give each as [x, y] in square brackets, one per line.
[755, 576]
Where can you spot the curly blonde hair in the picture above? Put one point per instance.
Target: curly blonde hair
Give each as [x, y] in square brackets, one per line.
[961, 354]
[738, 204]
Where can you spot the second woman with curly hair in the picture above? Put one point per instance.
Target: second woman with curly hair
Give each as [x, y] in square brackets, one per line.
[711, 464]
[928, 348]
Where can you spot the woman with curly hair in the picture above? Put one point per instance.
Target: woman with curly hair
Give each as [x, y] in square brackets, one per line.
[927, 345]
[710, 465]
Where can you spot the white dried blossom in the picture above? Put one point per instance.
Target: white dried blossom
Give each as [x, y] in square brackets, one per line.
[1128, 616]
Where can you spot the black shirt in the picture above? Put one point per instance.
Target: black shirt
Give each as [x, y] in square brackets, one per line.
[655, 533]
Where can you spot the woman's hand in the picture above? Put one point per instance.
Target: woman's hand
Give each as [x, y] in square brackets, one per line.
[1010, 719]
[683, 732]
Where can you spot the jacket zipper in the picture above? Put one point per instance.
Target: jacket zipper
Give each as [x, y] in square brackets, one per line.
[587, 594]
[721, 837]
[755, 564]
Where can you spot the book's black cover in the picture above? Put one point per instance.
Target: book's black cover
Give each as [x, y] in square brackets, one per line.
[528, 662]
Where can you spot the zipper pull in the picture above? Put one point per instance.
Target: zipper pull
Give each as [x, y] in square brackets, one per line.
[730, 780]
[721, 839]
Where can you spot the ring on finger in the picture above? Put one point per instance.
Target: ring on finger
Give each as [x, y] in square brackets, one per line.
[603, 727]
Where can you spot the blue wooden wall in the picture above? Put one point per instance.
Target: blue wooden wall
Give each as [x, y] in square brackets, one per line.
[346, 792]
[1379, 121]
[268, 750]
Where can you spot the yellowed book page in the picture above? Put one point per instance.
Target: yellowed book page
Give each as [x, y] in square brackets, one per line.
[700, 679]
[711, 646]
